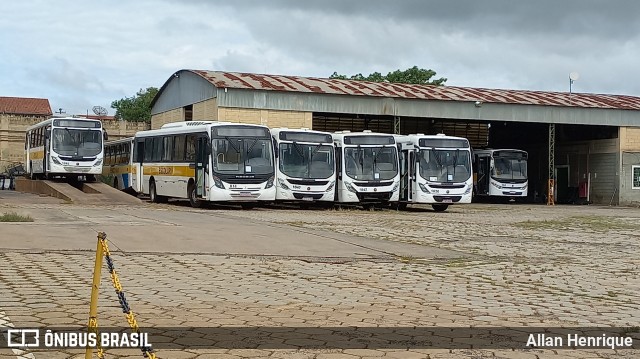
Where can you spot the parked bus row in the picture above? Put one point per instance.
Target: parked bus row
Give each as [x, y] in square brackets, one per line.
[217, 161]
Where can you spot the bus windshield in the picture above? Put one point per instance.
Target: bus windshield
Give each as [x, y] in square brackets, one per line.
[509, 168]
[371, 163]
[75, 142]
[232, 155]
[450, 165]
[306, 161]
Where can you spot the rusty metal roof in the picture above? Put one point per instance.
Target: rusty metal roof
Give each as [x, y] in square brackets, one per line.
[25, 106]
[235, 80]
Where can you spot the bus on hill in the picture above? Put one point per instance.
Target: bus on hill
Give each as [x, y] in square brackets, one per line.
[305, 168]
[435, 170]
[65, 147]
[367, 168]
[205, 161]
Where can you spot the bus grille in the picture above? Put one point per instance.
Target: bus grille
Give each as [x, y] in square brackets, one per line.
[453, 199]
[373, 184]
[374, 197]
[307, 182]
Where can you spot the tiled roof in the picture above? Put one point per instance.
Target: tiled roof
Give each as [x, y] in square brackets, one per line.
[236, 80]
[25, 106]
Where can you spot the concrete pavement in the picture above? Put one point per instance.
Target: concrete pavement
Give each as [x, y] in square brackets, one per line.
[480, 265]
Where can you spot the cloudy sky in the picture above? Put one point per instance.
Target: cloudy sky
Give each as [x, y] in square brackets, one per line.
[80, 54]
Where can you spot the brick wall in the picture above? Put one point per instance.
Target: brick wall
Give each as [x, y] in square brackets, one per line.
[271, 118]
[205, 110]
[630, 138]
[12, 132]
[166, 117]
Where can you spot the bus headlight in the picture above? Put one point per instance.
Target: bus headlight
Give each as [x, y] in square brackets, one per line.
[99, 162]
[282, 184]
[350, 187]
[395, 187]
[269, 183]
[330, 186]
[218, 182]
[468, 190]
[56, 160]
[424, 188]
[524, 187]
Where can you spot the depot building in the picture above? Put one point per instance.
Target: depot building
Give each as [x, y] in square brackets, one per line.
[589, 144]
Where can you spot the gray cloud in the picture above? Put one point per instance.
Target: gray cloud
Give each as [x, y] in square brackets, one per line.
[490, 43]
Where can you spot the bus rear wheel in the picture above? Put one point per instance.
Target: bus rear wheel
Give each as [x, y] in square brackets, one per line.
[193, 197]
[440, 207]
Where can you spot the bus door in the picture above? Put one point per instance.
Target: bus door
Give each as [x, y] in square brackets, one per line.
[483, 174]
[45, 159]
[338, 188]
[137, 166]
[413, 175]
[202, 162]
[404, 174]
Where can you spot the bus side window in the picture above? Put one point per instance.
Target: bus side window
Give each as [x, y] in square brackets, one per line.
[127, 151]
[148, 149]
[157, 149]
[138, 151]
[168, 148]
[178, 148]
[191, 148]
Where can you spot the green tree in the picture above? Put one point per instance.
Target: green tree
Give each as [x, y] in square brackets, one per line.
[136, 108]
[413, 75]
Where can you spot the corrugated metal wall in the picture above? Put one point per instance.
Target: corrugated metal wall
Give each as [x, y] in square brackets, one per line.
[604, 178]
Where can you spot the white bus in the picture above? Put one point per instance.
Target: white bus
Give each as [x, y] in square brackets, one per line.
[66, 147]
[501, 173]
[118, 163]
[305, 168]
[435, 170]
[367, 168]
[205, 161]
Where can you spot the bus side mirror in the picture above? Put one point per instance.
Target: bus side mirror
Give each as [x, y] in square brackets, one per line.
[105, 136]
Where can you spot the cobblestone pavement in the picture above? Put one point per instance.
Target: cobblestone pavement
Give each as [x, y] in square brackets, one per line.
[524, 265]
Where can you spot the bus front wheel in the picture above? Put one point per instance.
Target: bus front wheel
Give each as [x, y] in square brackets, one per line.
[440, 207]
[153, 194]
[193, 197]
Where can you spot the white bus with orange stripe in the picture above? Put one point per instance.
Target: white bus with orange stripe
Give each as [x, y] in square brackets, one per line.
[64, 147]
[118, 163]
[205, 161]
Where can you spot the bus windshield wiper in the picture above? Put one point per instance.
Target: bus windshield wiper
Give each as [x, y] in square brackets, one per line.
[298, 149]
[252, 144]
[375, 158]
[232, 144]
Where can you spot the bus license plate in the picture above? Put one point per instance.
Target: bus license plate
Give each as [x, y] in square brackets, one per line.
[447, 200]
[245, 194]
[307, 199]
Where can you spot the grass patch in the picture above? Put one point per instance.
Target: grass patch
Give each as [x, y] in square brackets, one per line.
[14, 217]
[593, 223]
